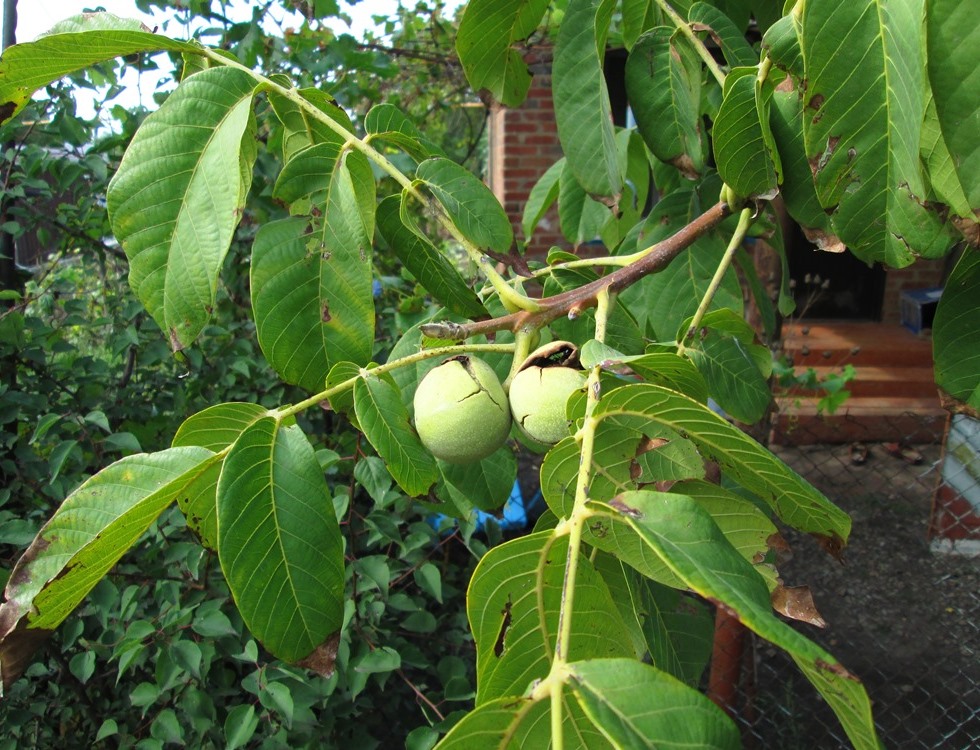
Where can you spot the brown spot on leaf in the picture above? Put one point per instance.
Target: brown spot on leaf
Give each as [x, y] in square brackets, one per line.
[625, 509]
[829, 243]
[323, 658]
[685, 166]
[837, 669]
[7, 110]
[796, 602]
[175, 344]
[325, 316]
[955, 406]
[816, 102]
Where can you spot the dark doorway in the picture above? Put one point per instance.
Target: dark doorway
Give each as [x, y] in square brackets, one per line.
[833, 285]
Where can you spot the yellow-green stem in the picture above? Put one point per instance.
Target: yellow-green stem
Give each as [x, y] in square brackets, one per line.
[703, 52]
[507, 293]
[580, 514]
[411, 359]
[744, 222]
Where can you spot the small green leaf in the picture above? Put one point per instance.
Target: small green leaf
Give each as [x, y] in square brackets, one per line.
[541, 198]
[82, 666]
[429, 579]
[470, 204]
[240, 726]
[486, 484]
[379, 661]
[385, 422]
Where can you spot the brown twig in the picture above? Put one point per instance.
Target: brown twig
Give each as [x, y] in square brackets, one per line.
[574, 301]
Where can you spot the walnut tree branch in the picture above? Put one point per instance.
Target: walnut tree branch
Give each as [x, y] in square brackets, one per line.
[572, 302]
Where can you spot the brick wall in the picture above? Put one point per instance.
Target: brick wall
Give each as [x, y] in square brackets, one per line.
[523, 144]
[920, 275]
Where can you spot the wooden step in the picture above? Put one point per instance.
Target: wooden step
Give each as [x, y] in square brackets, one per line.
[878, 381]
[837, 344]
[860, 419]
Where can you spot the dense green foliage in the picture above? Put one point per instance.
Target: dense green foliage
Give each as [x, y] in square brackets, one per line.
[298, 494]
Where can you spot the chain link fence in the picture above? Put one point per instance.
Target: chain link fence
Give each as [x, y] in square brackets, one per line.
[902, 611]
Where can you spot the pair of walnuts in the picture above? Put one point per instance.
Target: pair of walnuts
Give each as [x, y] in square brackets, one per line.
[462, 413]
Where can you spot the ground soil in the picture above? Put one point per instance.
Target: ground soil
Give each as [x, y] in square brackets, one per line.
[904, 619]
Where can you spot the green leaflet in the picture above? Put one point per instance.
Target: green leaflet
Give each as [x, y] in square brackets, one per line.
[615, 694]
[953, 60]
[674, 526]
[485, 484]
[485, 43]
[385, 422]
[582, 109]
[954, 336]
[663, 81]
[513, 604]
[470, 204]
[740, 136]
[177, 197]
[279, 543]
[71, 45]
[726, 34]
[862, 118]
[93, 528]
[541, 198]
[424, 261]
[301, 128]
[311, 281]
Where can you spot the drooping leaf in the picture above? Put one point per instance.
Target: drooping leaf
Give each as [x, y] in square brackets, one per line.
[674, 526]
[486, 45]
[433, 269]
[953, 59]
[745, 160]
[661, 368]
[782, 43]
[582, 108]
[178, 194]
[515, 638]
[616, 695]
[663, 82]
[279, 543]
[470, 204]
[955, 334]
[385, 422]
[862, 119]
[797, 188]
[943, 177]
[86, 536]
[795, 501]
[71, 45]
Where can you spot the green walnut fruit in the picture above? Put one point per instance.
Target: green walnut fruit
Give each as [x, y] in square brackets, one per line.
[461, 411]
[541, 388]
